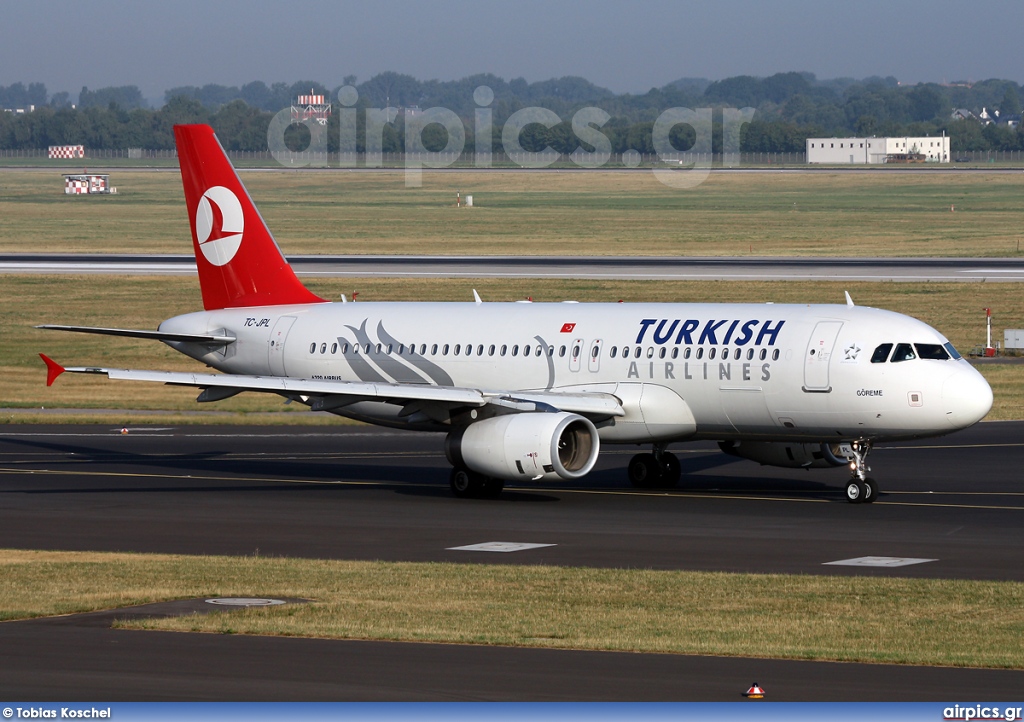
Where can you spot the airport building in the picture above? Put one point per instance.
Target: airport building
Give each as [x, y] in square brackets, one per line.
[929, 149]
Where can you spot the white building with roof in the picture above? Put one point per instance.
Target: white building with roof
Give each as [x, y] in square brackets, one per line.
[935, 149]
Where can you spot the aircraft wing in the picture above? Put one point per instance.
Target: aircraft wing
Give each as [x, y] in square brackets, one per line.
[327, 395]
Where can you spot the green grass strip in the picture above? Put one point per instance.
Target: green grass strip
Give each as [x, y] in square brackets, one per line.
[862, 619]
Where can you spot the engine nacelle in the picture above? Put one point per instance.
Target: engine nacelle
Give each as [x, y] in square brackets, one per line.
[785, 454]
[535, 446]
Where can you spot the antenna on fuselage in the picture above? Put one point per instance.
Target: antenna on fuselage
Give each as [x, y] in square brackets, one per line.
[849, 301]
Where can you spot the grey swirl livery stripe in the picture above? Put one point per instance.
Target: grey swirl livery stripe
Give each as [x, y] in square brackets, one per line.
[360, 366]
[434, 372]
[386, 368]
[549, 354]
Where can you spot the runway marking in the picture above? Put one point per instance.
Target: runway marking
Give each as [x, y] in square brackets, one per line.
[878, 562]
[527, 489]
[951, 446]
[503, 547]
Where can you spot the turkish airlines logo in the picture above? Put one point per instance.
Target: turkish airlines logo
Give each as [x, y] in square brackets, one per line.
[219, 225]
[567, 327]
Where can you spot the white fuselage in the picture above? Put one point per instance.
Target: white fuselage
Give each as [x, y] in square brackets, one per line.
[698, 371]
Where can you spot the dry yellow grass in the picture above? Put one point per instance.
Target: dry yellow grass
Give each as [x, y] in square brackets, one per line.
[868, 619]
[542, 213]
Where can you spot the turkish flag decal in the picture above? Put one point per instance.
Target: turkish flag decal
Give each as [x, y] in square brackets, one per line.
[567, 327]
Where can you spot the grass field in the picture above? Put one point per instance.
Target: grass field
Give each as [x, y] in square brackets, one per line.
[957, 309]
[864, 619]
[521, 213]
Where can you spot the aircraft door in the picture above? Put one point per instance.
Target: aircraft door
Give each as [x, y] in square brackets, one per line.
[277, 339]
[594, 359]
[817, 356]
[575, 354]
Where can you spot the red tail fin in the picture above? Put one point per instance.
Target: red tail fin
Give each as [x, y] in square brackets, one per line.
[239, 262]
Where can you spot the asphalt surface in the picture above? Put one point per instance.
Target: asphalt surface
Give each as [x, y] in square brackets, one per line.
[358, 493]
[636, 268]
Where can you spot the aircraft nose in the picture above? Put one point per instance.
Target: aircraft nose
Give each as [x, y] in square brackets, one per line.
[966, 397]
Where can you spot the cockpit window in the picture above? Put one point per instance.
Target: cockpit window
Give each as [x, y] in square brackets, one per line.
[952, 351]
[932, 351]
[881, 353]
[903, 352]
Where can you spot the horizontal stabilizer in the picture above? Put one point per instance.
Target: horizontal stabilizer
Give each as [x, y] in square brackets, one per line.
[157, 335]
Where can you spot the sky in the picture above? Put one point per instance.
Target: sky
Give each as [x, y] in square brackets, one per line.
[626, 47]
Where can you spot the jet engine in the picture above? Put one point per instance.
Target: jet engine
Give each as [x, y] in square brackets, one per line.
[789, 455]
[535, 445]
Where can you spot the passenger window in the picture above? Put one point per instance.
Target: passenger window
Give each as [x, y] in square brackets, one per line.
[504, 349]
[700, 353]
[931, 351]
[595, 352]
[881, 353]
[561, 351]
[526, 349]
[515, 350]
[312, 347]
[662, 351]
[612, 352]
[903, 352]
[636, 354]
[763, 355]
[433, 350]
[458, 347]
[490, 350]
[750, 354]
[775, 355]
[711, 352]
[444, 350]
[686, 352]
[334, 348]
[376, 349]
[480, 349]
[323, 348]
[650, 352]
[344, 348]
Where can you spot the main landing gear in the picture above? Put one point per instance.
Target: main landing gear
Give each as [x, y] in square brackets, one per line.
[656, 470]
[468, 484]
[861, 489]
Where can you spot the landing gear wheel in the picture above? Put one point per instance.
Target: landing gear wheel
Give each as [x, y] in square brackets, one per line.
[855, 491]
[670, 470]
[870, 490]
[467, 484]
[644, 471]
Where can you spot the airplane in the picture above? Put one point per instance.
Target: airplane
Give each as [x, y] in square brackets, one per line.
[530, 391]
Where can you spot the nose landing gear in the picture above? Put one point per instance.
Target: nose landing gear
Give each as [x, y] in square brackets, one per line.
[861, 489]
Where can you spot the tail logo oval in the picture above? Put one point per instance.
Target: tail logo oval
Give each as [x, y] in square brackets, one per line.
[219, 225]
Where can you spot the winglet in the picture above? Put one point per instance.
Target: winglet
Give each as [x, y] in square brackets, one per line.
[849, 301]
[53, 369]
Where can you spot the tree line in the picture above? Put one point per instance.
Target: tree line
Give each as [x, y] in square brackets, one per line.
[790, 107]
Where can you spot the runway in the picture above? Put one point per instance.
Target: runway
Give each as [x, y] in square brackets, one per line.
[359, 493]
[632, 268]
